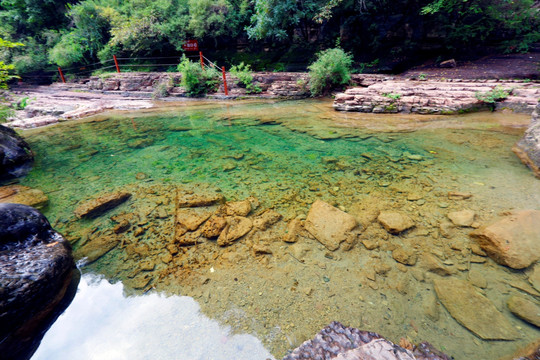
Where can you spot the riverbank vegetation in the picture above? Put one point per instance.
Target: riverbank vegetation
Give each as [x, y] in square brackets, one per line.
[265, 34]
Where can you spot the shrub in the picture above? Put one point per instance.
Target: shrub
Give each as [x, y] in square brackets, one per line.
[331, 69]
[492, 96]
[160, 91]
[195, 80]
[245, 78]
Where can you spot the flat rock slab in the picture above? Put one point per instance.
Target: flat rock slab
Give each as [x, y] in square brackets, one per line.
[534, 277]
[185, 198]
[237, 226]
[473, 310]
[17, 194]
[462, 218]
[96, 207]
[524, 309]
[395, 222]
[192, 218]
[329, 225]
[513, 240]
[97, 247]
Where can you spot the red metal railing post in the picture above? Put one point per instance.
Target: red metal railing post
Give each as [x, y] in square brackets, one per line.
[202, 61]
[116, 63]
[61, 75]
[224, 80]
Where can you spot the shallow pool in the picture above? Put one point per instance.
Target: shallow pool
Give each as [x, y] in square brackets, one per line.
[287, 155]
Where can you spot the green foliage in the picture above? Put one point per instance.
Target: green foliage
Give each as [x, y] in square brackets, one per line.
[245, 78]
[469, 23]
[279, 19]
[332, 68]
[492, 96]
[7, 69]
[195, 80]
[392, 96]
[422, 76]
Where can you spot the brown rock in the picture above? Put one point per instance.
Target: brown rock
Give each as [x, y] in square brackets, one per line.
[529, 352]
[448, 63]
[473, 310]
[266, 219]
[395, 222]
[329, 225]
[462, 218]
[17, 194]
[214, 226]
[123, 226]
[192, 218]
[237, 227]
[294, 229]
[477, 279]
[190, 199]
[261, 249]
[434, 265]
[534, 277]
[100, 205]
[96, 247]
[188, 238]
[238, 208]
[404, 256]
[524, 309]
[513, 240]
[457, 195]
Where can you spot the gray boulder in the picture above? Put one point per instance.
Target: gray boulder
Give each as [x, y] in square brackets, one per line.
[38, 279]
[16, 158]
[528, 148]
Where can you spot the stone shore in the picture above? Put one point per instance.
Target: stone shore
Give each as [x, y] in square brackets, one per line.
[370, 93]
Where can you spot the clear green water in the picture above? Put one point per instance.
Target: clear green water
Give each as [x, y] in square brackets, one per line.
[287, 154]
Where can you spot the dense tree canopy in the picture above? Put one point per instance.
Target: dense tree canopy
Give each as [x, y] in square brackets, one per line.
[70, 32]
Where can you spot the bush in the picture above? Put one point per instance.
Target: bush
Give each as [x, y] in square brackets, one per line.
[491, 97]
[331, 69]
[245, 78]
[195, 80]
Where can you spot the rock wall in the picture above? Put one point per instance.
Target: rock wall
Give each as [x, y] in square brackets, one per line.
[528, 148]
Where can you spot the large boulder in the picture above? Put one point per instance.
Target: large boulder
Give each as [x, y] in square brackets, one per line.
[513, 240]
[329, 225]
[528, 148]
[16, 158]
[337, 341]
[38, 279]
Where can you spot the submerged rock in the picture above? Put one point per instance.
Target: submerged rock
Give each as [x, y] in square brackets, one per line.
[337, 341]
[236, 227]
[473, 310]
[18, 194]
[16, 158]
[462, 218]
[395, 222]
[528, 148]
[329, 225]
[38, 279]
[190, 199]
[512, 240]
[96, 207]
[524, 309]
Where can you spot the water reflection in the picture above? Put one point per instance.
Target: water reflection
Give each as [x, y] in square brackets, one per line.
[102, 323]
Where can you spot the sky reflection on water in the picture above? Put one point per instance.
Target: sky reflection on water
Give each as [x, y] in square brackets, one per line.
[103, 324]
